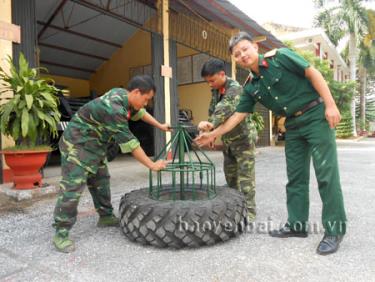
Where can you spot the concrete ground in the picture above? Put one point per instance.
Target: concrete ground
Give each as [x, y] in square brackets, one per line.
[26, 252]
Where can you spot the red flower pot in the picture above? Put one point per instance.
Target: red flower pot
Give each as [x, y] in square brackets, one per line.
[26, 166]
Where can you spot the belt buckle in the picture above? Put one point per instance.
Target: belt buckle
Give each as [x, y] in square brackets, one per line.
[297, 114]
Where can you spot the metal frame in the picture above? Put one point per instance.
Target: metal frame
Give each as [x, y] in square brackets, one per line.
[107, 11]
[51, 18]
[104, 8]
[67, 66]
[81, 35]
[191, 172]
[74, 51]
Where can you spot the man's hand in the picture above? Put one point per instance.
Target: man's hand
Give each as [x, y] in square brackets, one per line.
[165, 127]
[159, 165]
[317, 80]
[210, 147]
[204, 139]
[140, 156]
[151, 120]
[209, 137]
[205, 126]
[333, 116]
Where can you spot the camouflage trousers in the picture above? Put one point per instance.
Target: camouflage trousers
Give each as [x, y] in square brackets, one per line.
[73, 182]
[239, 170]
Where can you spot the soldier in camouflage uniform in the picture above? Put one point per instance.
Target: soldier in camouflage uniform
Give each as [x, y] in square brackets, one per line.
[239, 143]
[83, 153]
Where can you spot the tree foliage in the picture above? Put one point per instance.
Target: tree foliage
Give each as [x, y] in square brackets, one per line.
[342, 92]
[349, 16]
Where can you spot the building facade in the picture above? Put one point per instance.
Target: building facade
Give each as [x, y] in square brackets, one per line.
[92, 46]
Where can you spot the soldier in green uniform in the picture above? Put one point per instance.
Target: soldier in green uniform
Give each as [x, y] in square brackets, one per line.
[83, 153]
[239, 143]
[285, 83]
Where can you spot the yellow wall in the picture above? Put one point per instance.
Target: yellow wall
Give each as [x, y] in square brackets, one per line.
[5, 51]
[195, 96]
[76, 87]
[115, 72]
[183, 51]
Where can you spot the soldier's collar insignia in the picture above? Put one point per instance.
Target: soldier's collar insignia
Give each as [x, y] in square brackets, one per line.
[264, 63]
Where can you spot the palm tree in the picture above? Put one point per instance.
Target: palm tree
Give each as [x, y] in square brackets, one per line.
[346, 18]
[367, 65]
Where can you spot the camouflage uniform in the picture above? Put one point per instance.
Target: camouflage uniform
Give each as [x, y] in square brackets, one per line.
[238, 144]
[83, 154]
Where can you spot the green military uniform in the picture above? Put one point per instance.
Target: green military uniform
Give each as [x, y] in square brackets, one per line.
[83, 154]
[238, 144]
[282, 87]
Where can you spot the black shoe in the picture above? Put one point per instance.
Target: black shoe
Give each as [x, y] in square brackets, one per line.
[286, 232]
[329, 245]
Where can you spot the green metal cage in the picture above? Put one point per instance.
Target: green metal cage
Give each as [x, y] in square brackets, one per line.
[190, 174]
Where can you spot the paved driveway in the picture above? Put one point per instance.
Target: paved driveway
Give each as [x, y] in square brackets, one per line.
[26, 252]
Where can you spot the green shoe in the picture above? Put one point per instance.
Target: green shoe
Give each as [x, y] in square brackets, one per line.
[63, 244]
[108, 221]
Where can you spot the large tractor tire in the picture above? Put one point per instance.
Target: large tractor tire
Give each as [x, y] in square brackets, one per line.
[179, 224]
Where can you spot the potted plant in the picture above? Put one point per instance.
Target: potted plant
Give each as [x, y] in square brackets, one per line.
[30, 118]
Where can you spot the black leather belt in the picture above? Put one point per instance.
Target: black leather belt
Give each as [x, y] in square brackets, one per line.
[308, 107]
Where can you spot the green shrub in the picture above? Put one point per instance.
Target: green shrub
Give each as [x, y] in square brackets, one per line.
[32, 114]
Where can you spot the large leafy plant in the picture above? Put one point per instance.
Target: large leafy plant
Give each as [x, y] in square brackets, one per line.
[30, 117]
